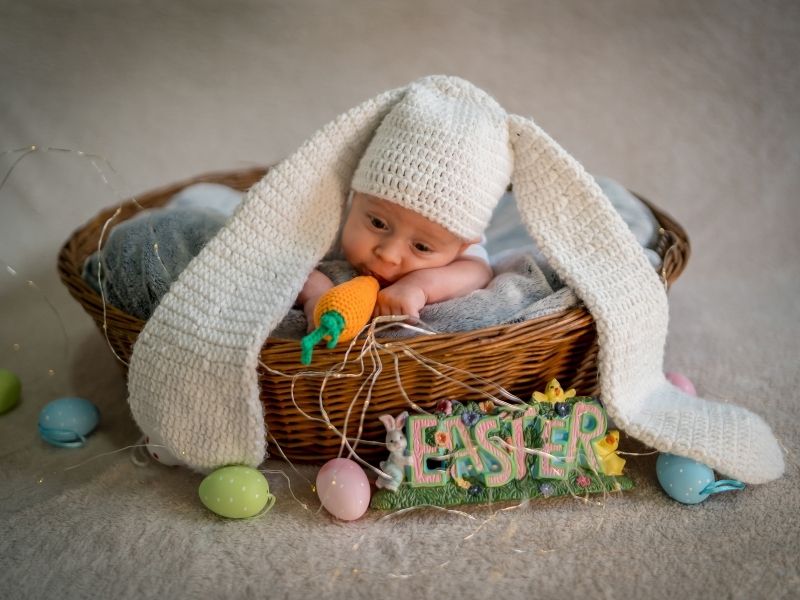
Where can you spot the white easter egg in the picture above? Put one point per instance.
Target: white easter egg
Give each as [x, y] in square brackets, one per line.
[160, 452]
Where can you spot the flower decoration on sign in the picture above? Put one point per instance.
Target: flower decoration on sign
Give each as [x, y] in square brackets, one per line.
[475, 489]
[562, 408]
[445, 407]
[546, 489]
[462, 483]
[470, 418]
[442, 439]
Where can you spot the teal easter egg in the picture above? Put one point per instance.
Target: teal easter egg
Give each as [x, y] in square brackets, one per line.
[684, 479]
[236, 492]
[10, 388]
[67, 421]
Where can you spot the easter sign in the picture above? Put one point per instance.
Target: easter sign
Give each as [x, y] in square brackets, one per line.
[476, 453]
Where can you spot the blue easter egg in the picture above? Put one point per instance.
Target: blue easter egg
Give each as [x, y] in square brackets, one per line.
[684, 479]
[67, 421]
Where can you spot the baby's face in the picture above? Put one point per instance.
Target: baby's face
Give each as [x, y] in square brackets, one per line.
[388, 241]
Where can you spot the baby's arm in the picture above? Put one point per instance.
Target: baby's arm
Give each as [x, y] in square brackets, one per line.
[410, 293]
[316, 285]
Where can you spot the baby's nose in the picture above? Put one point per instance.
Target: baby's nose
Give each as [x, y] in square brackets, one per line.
[389, 252]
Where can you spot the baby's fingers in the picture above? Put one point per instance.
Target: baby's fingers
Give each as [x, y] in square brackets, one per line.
[411, 312]
[392, 308]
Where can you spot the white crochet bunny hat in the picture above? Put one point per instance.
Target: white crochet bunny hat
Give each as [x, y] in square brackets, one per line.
[446, 149]
[443, 152]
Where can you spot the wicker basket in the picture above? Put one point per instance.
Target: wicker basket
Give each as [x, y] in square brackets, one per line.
[520, 357]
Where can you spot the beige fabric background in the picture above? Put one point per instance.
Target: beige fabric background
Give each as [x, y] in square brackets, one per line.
[694, 105]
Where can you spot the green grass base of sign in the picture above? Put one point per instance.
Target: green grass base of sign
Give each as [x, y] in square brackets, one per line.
[453, 495]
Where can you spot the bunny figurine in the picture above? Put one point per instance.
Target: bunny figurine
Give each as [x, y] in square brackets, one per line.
[396, 443]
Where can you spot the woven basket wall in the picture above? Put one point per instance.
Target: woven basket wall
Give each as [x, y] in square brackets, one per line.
[520, 357]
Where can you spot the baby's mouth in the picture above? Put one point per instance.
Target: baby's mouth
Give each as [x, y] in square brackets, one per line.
[382, 281]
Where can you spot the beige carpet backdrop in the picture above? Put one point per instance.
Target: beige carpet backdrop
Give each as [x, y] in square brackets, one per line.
[694, 105]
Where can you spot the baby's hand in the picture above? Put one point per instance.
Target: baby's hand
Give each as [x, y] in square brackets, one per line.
[400, 298]
[314, 288]
[308, 308]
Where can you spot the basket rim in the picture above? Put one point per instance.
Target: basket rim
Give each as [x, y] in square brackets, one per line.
[68, 267]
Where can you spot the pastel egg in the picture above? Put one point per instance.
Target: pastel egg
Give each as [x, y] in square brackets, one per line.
[159, 451]
[67, 421]
[681, 382]
[10, 388]
[343, 489]
[684, 479]
[236, 492]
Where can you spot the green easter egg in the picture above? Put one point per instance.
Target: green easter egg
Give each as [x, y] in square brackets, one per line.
[236, 492]
[10, 388]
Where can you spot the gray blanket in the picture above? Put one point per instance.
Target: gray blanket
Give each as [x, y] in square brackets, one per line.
[145, 254]
[519, 291]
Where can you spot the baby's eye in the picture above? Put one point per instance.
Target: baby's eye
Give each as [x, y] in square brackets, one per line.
[377, 223]
[422, 247]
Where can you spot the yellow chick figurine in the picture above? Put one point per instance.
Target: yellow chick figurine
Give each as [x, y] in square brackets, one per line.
[553, 393]
[605, 450]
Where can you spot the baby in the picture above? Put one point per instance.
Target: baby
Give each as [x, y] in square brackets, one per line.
[422, 195]
[416, 261]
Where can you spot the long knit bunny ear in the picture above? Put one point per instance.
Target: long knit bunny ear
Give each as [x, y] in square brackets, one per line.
[593, 251]
[193, 378]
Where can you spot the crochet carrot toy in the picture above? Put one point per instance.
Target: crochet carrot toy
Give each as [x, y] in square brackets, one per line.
[341, 313]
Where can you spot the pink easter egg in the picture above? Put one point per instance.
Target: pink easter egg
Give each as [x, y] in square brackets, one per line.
[681, 382]
[343, 489]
